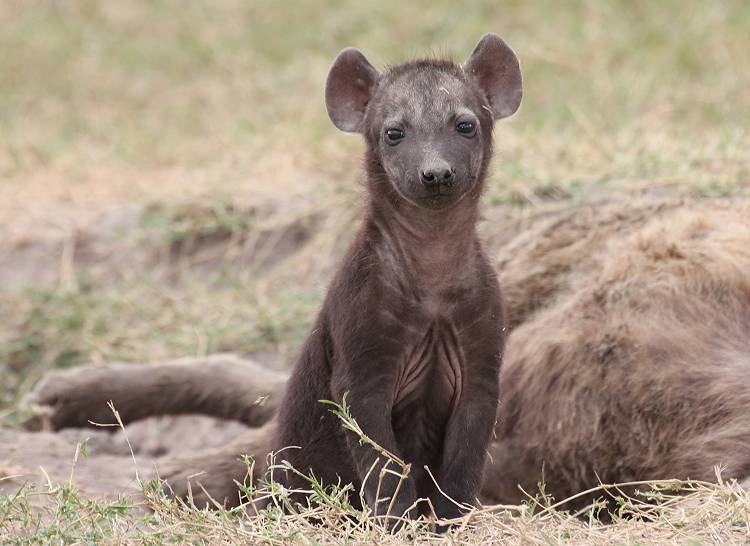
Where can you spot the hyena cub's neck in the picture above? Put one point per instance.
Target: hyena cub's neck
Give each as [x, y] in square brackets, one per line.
[432, 250]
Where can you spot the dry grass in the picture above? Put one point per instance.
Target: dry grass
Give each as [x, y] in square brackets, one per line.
[204, 122]
[687, 513]
[143, 100]
[703, 513]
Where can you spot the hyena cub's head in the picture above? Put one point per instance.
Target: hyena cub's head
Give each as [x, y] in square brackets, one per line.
[427, 124]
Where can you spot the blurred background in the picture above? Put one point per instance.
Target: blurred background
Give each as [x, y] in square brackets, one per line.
[170, 184]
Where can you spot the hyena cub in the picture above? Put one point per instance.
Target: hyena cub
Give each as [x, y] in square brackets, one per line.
[412, 325]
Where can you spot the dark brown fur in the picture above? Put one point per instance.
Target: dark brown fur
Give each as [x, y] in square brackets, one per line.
[411, 330]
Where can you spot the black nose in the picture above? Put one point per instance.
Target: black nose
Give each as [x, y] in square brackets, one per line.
[442, 174]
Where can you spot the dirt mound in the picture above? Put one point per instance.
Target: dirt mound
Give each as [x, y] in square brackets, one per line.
[50, 247]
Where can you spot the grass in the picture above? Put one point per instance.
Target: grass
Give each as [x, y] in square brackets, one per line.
[207, 120]
[615, 91]
[689, 513]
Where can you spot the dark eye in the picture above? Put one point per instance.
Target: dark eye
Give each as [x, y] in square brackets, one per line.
[393, 136]
[465, 127]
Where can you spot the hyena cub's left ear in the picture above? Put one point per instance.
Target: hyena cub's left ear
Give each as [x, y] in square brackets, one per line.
[349, 87]
[494, 67]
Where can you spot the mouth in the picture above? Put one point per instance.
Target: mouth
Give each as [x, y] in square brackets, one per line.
[440, 198]
[441, 189]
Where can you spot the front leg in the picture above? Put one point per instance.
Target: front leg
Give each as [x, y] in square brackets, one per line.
[367, 368]
[468, 433]
[385, 491]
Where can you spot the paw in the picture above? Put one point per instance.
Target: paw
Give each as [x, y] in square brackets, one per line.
[78, 396]
[402, 512]
[59, 400]
[447, 509]
[402, 509]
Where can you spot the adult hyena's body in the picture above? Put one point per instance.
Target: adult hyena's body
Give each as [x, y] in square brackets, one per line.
[631, 351]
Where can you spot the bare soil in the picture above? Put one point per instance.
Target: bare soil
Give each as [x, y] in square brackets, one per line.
[109, 469]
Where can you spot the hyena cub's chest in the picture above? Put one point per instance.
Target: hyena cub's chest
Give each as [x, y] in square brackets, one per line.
[428, 389]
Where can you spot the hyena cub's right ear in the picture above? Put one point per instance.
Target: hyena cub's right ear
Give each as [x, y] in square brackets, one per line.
[495, 68]
[349, 87]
